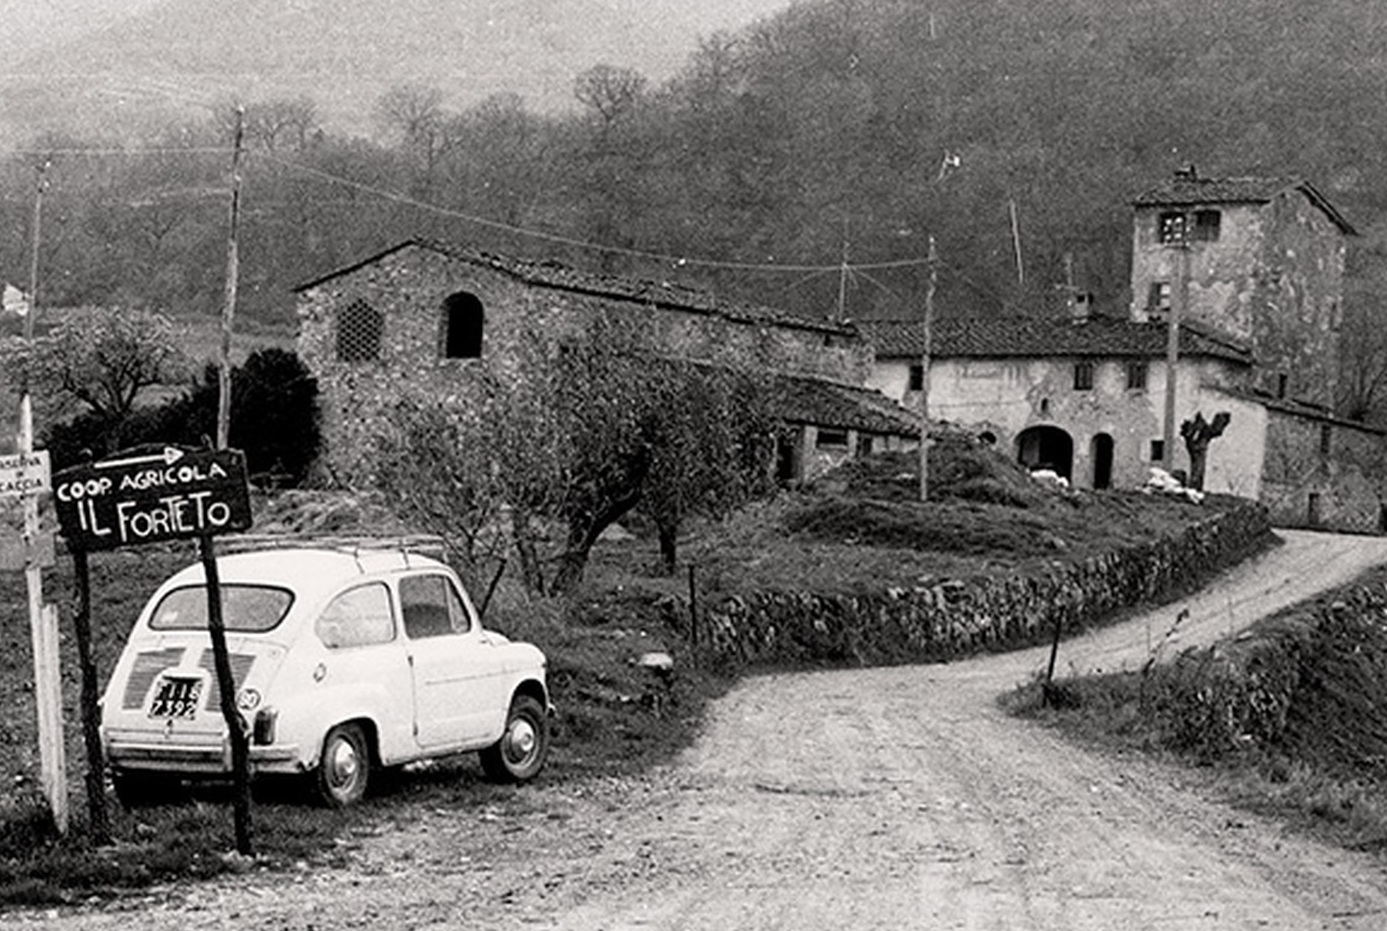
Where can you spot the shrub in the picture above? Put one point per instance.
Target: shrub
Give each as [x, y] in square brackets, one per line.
[274, 420]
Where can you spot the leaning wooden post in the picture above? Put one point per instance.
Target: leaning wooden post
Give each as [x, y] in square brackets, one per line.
[99, 827]
[226, 688]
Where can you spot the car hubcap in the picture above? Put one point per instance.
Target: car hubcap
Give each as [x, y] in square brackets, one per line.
[344, 765]
[521, 740]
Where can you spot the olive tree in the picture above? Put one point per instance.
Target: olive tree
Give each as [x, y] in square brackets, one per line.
[97, 362]
[560, 455]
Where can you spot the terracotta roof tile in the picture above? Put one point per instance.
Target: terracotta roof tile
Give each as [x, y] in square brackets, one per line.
[1027, 336]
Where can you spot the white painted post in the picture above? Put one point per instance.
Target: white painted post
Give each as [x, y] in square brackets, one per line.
[43, 620]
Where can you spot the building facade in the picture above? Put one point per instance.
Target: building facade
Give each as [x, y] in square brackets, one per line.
[427, 320]
[1251, 271]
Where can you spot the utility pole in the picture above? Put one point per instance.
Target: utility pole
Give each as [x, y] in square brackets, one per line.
[1179, 295]
[43, 619]
[1016, 243]
[229, 304]
[843, 278]
[924, 371]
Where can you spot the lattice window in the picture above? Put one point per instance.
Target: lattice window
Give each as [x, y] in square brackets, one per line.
[359, 327]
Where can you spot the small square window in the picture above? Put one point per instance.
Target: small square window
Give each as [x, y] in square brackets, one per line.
[1083, 376]
[917, 377]
[1171, 228]
[834, 438]
[1158, 450]
[1158, 298]
[1136, 375]
[1326, 439]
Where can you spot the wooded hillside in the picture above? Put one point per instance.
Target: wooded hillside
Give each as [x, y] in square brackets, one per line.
[839, 130]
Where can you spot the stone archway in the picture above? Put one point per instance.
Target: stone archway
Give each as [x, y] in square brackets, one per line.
[1046, 448]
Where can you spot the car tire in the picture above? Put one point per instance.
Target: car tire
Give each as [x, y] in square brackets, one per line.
[143, 789]
[344, 769]
[524, 745]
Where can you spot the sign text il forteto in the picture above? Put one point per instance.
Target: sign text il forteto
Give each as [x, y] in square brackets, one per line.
[152, 494]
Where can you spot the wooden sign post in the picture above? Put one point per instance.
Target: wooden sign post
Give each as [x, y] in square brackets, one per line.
[153, 494]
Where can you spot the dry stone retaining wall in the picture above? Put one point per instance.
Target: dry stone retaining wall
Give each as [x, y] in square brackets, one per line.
[955, 617]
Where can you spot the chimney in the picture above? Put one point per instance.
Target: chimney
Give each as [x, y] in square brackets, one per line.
[1080, 305]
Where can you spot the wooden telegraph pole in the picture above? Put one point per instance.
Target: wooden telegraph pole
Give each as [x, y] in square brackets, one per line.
[240, 752]
[924, 371]
[1179, 294]
[229, 303]
[43, 619]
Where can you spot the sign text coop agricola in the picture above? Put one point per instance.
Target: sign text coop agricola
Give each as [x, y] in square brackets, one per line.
[152, 494]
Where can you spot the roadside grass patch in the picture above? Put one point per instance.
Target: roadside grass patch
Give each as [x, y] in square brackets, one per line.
[1288, 719]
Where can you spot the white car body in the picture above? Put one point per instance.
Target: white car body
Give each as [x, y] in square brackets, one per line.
[387, 641]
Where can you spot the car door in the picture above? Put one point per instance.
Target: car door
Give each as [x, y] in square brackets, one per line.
[459, 687]
[365, 665]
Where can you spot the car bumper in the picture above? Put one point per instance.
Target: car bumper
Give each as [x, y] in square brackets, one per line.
[210, 759]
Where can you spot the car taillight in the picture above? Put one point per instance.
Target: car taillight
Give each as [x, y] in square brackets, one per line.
[264, 732]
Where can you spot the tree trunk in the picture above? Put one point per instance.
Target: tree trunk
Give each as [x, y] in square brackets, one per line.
[531, 571]
[1198, 433]
[669, 544]
[584, 529]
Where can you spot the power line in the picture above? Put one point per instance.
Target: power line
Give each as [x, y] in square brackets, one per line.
[677, 260]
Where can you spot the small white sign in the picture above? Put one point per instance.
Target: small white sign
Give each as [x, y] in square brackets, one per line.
[25, 474]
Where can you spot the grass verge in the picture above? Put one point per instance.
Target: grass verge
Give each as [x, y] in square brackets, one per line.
[1288, 719]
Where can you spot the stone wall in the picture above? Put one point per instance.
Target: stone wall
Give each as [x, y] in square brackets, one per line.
[1323, 473]
[949, 618]
[523, 322]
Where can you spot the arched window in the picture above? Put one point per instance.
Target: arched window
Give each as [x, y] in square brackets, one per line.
[359, 327]
[463, 320]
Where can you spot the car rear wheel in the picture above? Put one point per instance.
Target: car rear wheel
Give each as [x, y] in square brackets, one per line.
[344, 769]
[520, 753]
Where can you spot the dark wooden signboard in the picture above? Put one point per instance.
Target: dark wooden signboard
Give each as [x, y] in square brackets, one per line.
[150, 494]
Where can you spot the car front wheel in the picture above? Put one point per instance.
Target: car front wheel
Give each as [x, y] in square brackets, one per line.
[520, 753]
[345, 767]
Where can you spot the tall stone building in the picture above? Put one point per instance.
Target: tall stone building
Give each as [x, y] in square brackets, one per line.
[1252, 269]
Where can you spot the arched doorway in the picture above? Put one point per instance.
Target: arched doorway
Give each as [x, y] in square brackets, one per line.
[1046, 448]
[1100, 451]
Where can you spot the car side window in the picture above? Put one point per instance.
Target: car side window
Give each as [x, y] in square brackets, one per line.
[431, 608]
[461, 617]
[359, 617]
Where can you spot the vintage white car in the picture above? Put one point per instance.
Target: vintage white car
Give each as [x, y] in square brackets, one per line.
[346, 659]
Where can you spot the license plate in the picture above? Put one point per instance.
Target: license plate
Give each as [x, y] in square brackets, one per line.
[176, 697]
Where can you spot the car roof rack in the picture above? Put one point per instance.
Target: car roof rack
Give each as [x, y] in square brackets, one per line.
[420, 544]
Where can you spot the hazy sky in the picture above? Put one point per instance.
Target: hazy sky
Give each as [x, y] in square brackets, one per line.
[27, 22]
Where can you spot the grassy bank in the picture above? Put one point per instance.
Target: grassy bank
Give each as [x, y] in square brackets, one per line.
[1287, 719]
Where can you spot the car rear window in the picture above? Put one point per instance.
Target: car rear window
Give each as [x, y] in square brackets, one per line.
[251, 609]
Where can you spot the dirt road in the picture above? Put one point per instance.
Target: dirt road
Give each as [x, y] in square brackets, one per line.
[881, 798]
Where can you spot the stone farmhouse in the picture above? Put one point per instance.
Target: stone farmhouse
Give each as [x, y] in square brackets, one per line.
[1253, 270]
[424, 319]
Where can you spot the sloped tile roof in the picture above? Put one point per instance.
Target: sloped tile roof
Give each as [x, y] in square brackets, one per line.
[551, 274]
[845, 407]
[1189, 190]
[1010, 337]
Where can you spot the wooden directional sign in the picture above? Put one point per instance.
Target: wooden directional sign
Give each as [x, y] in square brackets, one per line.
[24, 474]
[150, 494]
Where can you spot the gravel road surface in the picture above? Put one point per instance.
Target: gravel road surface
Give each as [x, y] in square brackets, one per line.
[876, 798]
